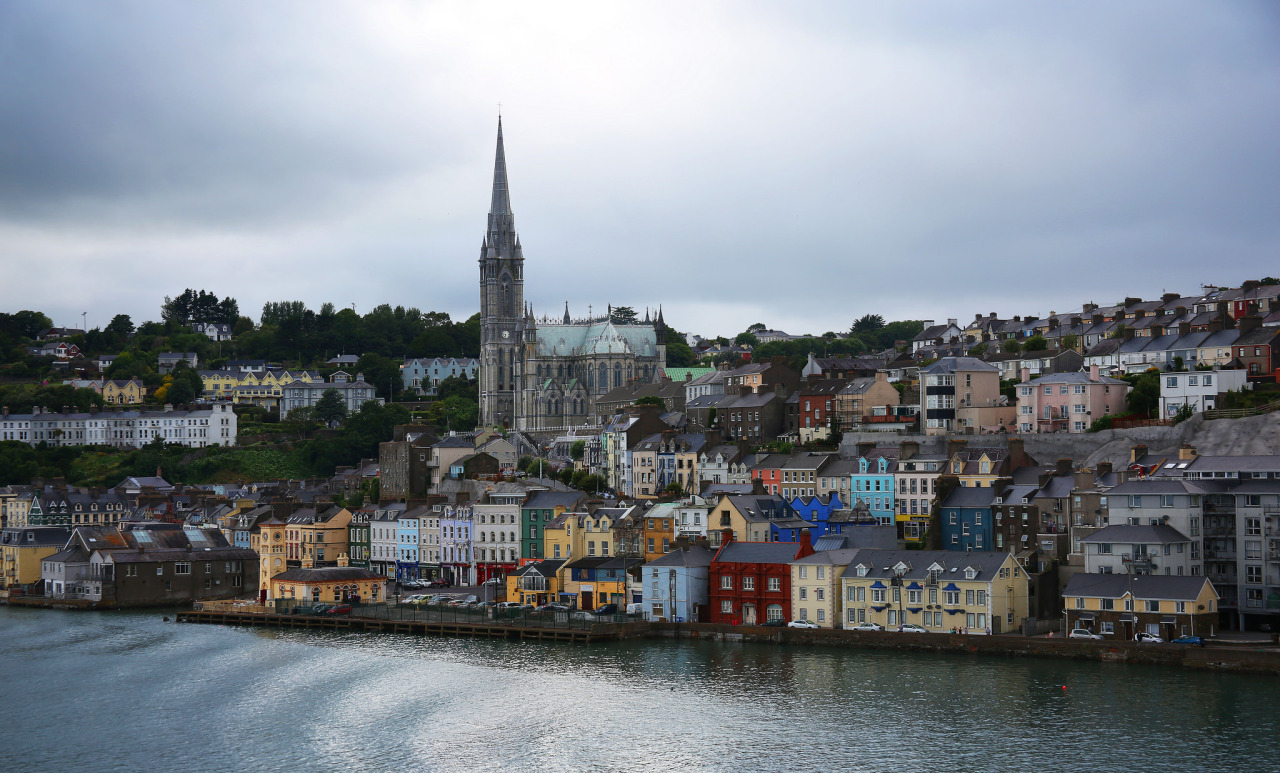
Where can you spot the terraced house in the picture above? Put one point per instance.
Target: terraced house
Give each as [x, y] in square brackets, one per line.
[978, 592]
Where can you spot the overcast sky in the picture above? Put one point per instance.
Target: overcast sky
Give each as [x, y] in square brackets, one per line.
[797, 164]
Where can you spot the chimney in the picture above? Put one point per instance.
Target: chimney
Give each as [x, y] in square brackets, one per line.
[1137, 452]
[1249, 323]
[977, 317]
[1251, 284]
[1126, 334]
[1186, 452]
[726, 536]
[1168, 297]
[806, 543]
[1184, 328]
[1139, 314]
[1064, 467]
[951, 321]
[342, 559]
[1025, 375]
[1001, 485]
[1089, 307]
[955, 446]
[744, 390]
[1097, 319]
[1043, 479]
[1131, 301]
[1082, 479]
[1094, 371]
[907, 449]
[1104, 468]
[865, 447]
[1018, 453]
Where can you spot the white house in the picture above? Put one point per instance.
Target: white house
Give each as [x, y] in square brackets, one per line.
[1198, 388]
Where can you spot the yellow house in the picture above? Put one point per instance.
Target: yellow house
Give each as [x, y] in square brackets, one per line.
[14, 507]
[749, 516]
[319, 537]
[977, 466]
[329, 583]
[22, 548]
[535, 583]
[1123, 605]
[939, 590]
[118, 392]
[815, 587]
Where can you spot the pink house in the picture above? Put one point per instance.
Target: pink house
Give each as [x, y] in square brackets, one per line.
[1068, 402]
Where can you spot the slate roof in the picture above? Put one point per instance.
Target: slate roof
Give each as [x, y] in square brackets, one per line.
[957, 364]
[757, 553]
[546, 500]
[1074, 378]
[328, 574]
[1143, 586]
[970, 496]
[837, 557]
[1137, 535]
[761, 507]
[546, 568]
[880, 563]
[694, 556]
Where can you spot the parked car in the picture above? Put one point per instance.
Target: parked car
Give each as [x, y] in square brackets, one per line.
[802, 624]
[320, 609]
[606, 609]
[775, 623]
[635, 609]
[867, 627]
[912, 628]
[441, 583]
[338, 609]
[1142, 637]
[1189, 639]
[1083, 633]
[550, 608]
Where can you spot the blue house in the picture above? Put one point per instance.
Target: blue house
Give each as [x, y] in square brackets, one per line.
[817, 511]
[407, 547]
[674, 587]
[967, 520]
[872, 482]
[789, 529]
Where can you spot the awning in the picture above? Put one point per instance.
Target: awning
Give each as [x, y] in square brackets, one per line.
[914, 586]
[951, 586]
[955, 611]
[879, 609]
[1168, 621]
[915, 610]
[1086, 616]
[1128, 619]
[877, 584]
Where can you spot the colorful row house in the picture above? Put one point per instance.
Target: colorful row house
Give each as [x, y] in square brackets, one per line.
[750, 582]
[940, 590]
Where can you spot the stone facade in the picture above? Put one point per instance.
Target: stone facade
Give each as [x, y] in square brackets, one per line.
[545, 375]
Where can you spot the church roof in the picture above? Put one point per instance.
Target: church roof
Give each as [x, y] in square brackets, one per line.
[601, 337]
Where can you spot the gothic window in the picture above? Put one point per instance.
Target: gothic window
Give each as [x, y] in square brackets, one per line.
[505, 296]
[617, 375]
[629, 376]
[591, 378]
[604, 378]
[560, 371]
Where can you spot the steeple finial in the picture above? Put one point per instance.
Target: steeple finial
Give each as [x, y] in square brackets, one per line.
[567, 319]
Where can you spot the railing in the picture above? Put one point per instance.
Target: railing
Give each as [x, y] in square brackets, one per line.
[1240, 413]
[474, 615]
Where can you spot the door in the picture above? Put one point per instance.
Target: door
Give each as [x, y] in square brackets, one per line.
[748, 614]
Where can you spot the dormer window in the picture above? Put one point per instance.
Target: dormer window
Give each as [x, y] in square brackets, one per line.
[862, 570]
[970, 573]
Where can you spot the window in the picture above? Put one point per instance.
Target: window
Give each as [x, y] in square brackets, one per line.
[182, 567]
[775, 584]
[804, 594]
[748, 583]
[877, 595]
[951, 598]
[726, 583]
[726, 607]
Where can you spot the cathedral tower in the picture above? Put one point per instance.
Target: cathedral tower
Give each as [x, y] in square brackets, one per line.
[502, 309]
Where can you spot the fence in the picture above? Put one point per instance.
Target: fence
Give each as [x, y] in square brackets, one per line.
[1240, 413]
[427, 613]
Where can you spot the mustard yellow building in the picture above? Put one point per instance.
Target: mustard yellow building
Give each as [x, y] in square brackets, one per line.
[939, 590]
[329, 583]
[319, 536]
[268, 540]
[535, 583]
[118, 392]
[815, 587]
[1123, 605]
[22, 548]
[15, 507]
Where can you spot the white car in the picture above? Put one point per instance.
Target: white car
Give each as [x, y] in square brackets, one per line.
[1143, 637]
[802, 624]
[867, 627]
[912, 628]
[1083, 633]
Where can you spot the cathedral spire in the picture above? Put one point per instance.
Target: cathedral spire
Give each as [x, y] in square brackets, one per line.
[501, 204]
[567, 319]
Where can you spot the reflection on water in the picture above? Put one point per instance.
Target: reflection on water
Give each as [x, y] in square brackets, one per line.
[130, 692]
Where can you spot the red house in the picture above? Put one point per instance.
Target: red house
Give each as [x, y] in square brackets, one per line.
[750, 582]
[768, 470]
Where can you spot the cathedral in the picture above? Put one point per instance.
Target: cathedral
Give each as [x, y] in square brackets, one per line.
[544, 375]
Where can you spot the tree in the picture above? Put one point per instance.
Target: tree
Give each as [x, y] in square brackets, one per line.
[1035, 343]
[121, 327]
[979, 349]
[1179, 363]
[867, 323]
[331, 408]
[1144, 393]
[746, 339]
[623, 315]
[1011, 346]
[184, 387]
[382, 372]
[1269, 281]
[679, 355]
[1119, 331]
[1069, 341]
[651, 400]
[757, 327]
[577, 450]
[192, 306]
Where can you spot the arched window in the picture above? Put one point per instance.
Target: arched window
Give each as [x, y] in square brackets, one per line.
[603, 385]
[617, 375]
